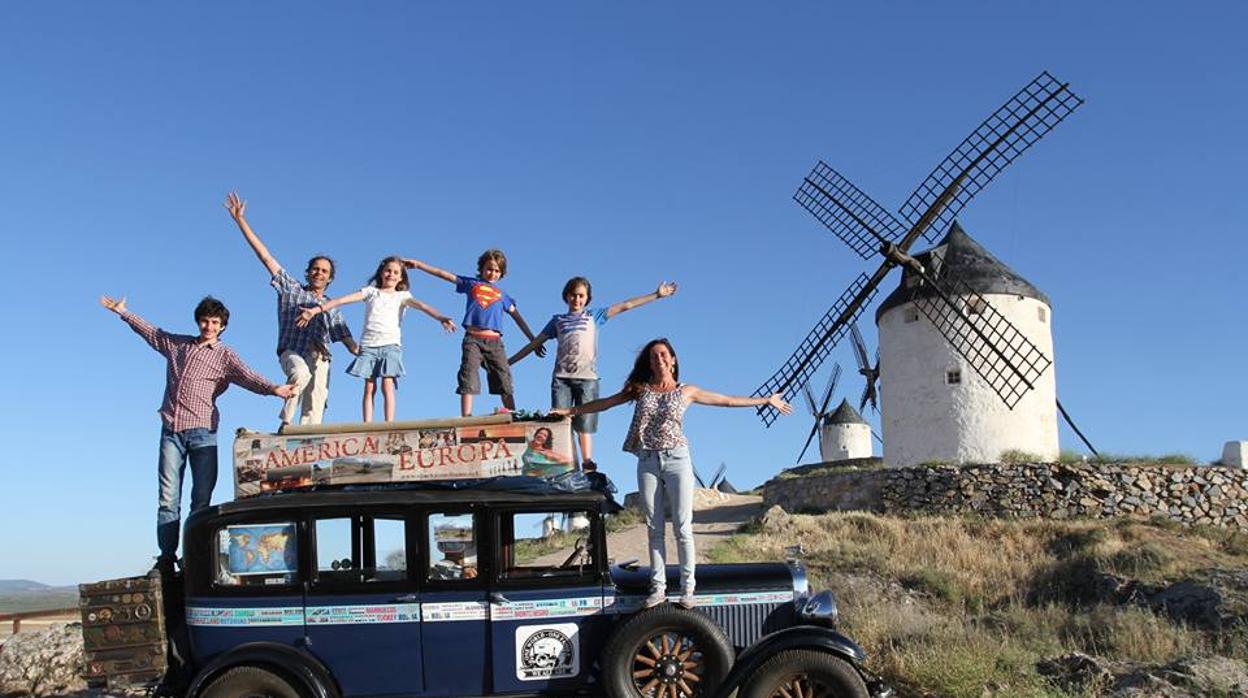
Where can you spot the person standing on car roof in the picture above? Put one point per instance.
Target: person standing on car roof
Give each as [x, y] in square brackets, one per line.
[302, 350]
[198, 369]
[664, 468]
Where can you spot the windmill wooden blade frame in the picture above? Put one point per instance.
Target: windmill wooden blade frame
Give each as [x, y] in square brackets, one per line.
[1000, 353]
[818, 343]
[847, 211]
[1000, 139]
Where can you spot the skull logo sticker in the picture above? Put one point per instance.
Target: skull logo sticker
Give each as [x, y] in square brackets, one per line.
[546, 652]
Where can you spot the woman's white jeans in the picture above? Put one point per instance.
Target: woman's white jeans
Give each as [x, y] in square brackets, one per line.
[667, 476]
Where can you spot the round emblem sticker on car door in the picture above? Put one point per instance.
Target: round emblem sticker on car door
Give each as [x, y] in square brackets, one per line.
[547, 652]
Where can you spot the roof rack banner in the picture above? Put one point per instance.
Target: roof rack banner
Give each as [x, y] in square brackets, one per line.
[450, 449]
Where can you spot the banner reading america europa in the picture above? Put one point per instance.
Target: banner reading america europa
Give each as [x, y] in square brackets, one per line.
[447, 449]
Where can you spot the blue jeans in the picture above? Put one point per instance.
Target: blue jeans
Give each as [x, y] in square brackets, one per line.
[568, 392]
[667, 476]
[199, 447]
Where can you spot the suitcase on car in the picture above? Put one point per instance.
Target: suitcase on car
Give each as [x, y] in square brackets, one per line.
[123, 631]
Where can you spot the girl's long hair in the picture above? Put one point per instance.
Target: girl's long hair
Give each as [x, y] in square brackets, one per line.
[641, 373]
[403, 284]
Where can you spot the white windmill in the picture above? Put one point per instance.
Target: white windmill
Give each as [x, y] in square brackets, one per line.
[935, 406]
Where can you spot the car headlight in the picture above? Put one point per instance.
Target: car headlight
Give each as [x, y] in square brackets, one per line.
[819, 609]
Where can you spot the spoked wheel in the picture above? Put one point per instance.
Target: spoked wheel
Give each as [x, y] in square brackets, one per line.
[805, 674]
[666, 652]
[668, 665]
[250, 682]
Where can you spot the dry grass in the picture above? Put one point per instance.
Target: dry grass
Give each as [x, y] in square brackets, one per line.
[966, 607]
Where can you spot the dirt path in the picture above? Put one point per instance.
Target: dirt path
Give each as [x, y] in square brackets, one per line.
[716, 516]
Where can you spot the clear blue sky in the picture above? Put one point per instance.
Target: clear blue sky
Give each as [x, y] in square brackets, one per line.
[629, 143]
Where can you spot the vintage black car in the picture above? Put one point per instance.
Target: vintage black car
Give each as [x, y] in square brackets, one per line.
[390, 591]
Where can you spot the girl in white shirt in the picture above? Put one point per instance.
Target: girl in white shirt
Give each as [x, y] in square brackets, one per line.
[381, 353]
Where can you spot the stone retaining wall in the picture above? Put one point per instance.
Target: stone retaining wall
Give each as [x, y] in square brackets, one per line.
[1187, 494]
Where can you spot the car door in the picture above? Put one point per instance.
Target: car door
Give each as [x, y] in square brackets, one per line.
[363, 615]
[454, 607]
[546, 620]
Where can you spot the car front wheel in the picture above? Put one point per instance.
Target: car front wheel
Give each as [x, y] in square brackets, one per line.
[666, 652]
[250, 682]
[807, 673]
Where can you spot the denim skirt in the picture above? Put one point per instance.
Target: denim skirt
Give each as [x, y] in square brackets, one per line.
[378, 362]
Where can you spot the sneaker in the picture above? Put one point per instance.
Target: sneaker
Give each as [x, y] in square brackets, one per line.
[655, 598]
[687, 600]
[589, 466]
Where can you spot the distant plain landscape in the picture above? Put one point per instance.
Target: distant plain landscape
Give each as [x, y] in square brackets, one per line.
[19, 595]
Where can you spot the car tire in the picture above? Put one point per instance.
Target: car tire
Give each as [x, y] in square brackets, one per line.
[250, 682]
[805, 672]
[666, 646]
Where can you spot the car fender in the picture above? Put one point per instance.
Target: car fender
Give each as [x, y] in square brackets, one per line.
[797, 637]
[294, 663]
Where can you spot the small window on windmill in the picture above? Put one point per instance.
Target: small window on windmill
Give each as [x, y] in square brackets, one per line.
[912, 315]
[953, 377]
[975, 305]
[1040, 312]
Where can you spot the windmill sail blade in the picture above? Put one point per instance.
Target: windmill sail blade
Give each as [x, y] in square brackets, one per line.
[999, 140]
[847, 211]
[809, 438]
[827, 391]
[816, 346]
[991, 344]
[810, 400]
[868, 395]
[860, 348]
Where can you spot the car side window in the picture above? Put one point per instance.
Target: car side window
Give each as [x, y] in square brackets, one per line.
[546, 544]
[360, 549]
[452, 547]
[257, 554]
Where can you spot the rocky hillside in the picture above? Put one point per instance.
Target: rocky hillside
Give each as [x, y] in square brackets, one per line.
[984, 607]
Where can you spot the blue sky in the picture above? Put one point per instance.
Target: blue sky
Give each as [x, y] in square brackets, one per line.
[629, 143]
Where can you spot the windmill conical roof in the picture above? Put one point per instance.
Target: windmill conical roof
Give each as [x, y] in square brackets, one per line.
[960, 255]
[844, 414]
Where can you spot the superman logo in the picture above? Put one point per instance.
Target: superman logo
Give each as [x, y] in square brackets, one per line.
[485, 295]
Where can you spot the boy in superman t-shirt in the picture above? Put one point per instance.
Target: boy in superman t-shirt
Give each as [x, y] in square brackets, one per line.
[483, 328]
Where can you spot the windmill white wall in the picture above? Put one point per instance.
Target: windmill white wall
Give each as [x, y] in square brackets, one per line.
[927, 417]
[844, 441]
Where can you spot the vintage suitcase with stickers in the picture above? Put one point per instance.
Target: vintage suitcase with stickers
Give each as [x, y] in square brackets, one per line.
[123, 631]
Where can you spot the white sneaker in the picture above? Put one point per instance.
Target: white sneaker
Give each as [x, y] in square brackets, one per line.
[688, 600]
[655, 598]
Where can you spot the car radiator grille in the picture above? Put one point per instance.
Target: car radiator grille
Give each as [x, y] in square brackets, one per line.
[745, 624]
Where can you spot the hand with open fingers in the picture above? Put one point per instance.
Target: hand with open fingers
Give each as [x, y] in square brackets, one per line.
[411, 263]
[448, 324]
[561, 411]
[117, 305]
[285, 391]
[235, 205]
[306, 316]
[776, 400]
[666, 289]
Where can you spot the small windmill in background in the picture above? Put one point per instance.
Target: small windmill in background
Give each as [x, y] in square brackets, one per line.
[1007, 362]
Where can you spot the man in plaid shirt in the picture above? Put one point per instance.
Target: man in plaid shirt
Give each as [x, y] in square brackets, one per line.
[302, 351]
[198, 369]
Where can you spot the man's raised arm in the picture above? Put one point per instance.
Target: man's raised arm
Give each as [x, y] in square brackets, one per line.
[238, 209]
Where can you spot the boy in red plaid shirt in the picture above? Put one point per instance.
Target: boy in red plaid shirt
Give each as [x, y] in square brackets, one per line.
[198, 369]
